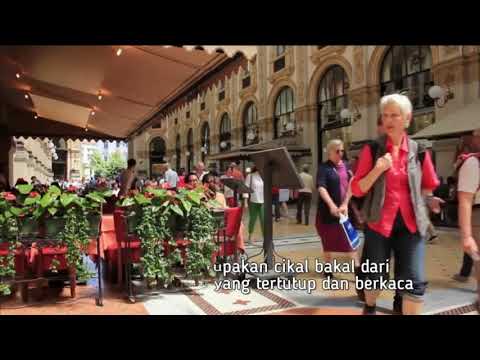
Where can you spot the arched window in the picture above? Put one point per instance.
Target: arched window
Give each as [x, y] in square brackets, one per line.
[225, 133]
[178, 153]
[250, 124]
[284, 122]
[157, 153]
[408, 69]
[190, 154]
[205, 140]
[332, 99]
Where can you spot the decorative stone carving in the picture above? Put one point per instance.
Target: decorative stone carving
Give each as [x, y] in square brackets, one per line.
[359, 64]
[319, 54]
[301, 73]
[285, 73]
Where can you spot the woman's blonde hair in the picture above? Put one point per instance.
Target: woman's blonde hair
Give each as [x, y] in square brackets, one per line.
[333, 144]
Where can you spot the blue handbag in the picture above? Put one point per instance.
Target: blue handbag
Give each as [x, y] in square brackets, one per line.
[351, 233]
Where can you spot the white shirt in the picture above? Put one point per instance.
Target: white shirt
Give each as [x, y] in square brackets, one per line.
[307, 181]
[255, 182]
[469, 178]
[171, 177]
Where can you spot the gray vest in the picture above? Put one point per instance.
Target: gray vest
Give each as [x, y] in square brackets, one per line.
[373, 203]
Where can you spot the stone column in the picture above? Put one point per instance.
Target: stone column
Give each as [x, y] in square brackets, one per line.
[21, 163]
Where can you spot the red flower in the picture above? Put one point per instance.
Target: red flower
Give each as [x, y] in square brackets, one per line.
[34, 194]
[9, 196]
[72, 188]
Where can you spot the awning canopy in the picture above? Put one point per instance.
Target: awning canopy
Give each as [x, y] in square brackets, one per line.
[109, 90]
[244, 152]
[459, 122]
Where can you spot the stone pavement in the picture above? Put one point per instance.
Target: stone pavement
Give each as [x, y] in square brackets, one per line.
[295, 242]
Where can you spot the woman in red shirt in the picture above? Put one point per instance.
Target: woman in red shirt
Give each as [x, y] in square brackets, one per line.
[397, 185]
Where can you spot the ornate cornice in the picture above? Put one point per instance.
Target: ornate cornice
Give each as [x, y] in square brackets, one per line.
[285, 73]
[318, 54]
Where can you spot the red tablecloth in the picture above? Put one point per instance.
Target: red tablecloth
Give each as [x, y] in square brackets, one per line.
[108, 237]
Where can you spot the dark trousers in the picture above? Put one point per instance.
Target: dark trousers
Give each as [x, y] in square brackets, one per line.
[276, 205]
[467, 265]
[304, 200]
[409, 254]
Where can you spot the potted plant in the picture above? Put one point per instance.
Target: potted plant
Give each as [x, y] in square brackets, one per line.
[27, 211]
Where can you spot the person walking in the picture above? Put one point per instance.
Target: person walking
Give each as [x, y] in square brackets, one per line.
[305, 195]
[468, 193]
[333, 187]
[255, 204]
[396, 186]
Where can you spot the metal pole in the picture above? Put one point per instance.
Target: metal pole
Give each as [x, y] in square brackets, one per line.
[99, 301]
[268, 224]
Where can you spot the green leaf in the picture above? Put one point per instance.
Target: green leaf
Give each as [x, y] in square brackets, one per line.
[32, 200]
[24, 189]
[195, 197]
[54, 190]
[52, 210]
[141, 199]
[176, 209]
[8, 215]
[66, 199]
[107, 193]
[96, 197]
[46, 200]
[16, 211]
[157, 192]
[37, 213]
[128, 202]
[186, 205]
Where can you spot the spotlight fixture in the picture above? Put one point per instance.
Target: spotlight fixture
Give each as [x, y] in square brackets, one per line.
[99, 95]
[119, 51]
[17, 75]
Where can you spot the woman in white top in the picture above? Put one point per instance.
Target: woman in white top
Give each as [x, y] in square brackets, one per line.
[255, 208]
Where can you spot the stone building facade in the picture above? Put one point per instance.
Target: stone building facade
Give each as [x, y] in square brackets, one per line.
[299, 92]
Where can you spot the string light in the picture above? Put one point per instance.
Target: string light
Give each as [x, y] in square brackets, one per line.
[17, 75]
[26, 96]
[93, 113]
[100, 95]
[119, 51]
[36, 116]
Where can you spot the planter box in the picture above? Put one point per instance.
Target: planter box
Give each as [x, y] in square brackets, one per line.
[28, 227]
[53, 227]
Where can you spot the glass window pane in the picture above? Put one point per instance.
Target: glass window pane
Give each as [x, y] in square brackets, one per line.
[387, 68]
[426, 57]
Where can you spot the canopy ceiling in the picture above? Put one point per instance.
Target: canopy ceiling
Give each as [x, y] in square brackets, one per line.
[62, 83]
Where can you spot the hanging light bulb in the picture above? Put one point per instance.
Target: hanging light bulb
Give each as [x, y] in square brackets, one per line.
[36, 116]
[93, 113]
[17, 75]
[119, 51]
[100, 95]
[26, 96]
